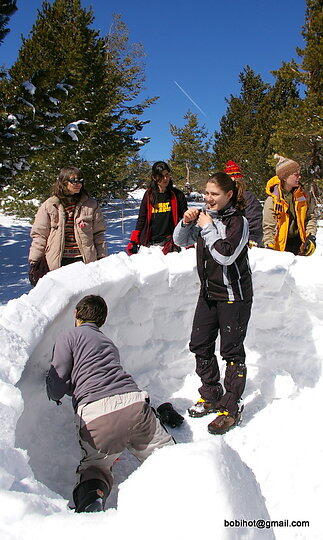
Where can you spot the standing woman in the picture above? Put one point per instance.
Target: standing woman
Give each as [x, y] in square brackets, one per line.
[161, 208]
[289, 217]
[68, 227]
[224, 304]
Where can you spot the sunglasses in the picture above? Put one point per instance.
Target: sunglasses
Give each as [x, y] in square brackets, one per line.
[76, 180]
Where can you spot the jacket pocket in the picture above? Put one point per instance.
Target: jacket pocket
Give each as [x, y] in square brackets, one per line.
[54, 220]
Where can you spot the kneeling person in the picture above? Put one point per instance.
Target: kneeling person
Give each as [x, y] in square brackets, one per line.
[112, 413]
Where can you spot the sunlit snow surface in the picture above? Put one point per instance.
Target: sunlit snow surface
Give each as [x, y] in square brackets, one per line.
[267, 468]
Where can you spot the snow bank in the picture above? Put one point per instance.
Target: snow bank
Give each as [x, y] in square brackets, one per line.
[248, 474]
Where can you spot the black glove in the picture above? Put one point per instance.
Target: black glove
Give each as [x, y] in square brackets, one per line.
[48, 391]
[132, 248]
[169, 416]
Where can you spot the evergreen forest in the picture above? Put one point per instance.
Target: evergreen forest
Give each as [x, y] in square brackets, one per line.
[74, 97]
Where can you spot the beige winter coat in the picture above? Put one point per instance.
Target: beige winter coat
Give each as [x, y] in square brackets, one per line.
[48, 231]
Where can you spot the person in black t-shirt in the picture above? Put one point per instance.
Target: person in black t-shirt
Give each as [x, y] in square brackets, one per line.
[161, 209]
[162, 224]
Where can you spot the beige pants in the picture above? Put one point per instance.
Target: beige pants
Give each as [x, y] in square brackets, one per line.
[110, 425]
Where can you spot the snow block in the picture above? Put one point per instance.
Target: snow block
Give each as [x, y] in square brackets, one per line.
[49, 296]
[269, 270]
[23, 319]
[6, 479]
[15, 461]
[207, 479]
[180, 267]
[151, 267]
[115, 276]
[11, 407]
[13, 354]
[309, 281]
[74, 277]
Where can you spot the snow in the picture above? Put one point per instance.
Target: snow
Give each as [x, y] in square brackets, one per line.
[64, 87]
[27, 103]
[142, 140]
[72, 128]
[29, 86]
[137, 194]
[267, 468]
[54, 100]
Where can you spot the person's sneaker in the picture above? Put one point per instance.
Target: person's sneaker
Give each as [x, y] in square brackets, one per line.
[224, 422]
[201, 408]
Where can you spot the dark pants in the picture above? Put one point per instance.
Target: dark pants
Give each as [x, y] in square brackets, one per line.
[231, 319]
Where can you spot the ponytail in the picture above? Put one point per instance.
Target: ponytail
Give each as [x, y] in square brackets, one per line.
[236, 185]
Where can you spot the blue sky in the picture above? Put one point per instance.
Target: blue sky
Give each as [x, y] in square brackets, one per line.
[201, 45]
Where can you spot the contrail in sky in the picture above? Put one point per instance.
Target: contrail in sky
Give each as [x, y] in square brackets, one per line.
[189, 97]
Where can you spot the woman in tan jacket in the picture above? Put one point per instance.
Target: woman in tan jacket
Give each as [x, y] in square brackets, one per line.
[68, 226]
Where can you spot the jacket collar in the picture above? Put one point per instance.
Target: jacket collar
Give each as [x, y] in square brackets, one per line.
[56, 201]
[91, 324]
[226, 211]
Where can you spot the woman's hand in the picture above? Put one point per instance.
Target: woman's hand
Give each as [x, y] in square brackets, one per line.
[191, 215]
[204, 219]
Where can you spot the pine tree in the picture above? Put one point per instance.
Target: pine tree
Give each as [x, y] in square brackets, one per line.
[247, 126]
[241, 137]
[299, 131]
[137, 174]
[84, 101]
[190, 157]
[7, 8]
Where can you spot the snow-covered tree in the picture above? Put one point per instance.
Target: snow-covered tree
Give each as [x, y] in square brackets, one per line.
[78, 93]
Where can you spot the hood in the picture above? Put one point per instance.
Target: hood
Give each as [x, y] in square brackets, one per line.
[270, 186]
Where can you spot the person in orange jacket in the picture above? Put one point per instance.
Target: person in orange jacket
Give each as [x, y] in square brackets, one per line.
[289, 215]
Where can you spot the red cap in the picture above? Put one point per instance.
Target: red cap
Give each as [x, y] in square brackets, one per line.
[232, 169]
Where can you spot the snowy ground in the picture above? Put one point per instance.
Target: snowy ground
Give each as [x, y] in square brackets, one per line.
[268, 468]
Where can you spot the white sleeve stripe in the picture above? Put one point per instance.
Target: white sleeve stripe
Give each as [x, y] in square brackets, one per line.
[227, 260]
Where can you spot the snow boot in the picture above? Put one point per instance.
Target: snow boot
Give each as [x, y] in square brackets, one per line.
[90, 496]
[169, 416]
[224, 422]
[201, 408]
[205, 406]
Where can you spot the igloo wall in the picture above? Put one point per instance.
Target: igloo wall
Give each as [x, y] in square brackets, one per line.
[151, 301]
